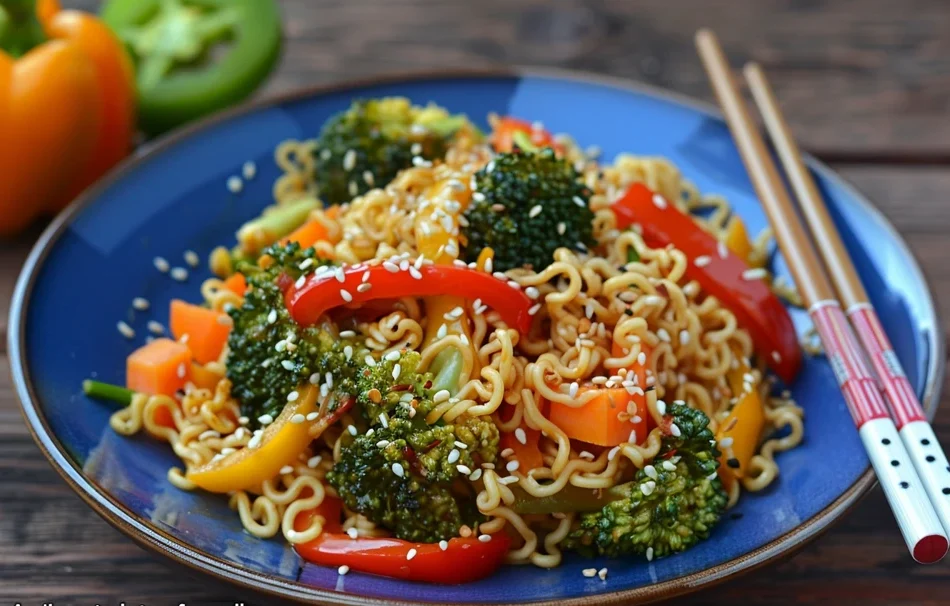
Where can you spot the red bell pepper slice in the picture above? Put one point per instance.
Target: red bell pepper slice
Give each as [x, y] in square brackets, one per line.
[719, 272]
[322, 292]
[463, 560]
[503, 135]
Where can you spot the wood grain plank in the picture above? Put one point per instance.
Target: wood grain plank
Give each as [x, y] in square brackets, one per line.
[858, 78]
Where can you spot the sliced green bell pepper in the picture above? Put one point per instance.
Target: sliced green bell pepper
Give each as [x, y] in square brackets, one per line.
[194, 57]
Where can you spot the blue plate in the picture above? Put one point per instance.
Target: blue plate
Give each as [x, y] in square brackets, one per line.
[96, 257]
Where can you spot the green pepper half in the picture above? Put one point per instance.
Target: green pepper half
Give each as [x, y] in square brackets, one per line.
[194, 57]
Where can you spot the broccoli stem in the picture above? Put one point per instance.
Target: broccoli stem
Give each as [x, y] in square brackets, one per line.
[569, 499]
[106, 391]
[447, 367]
[274, 224]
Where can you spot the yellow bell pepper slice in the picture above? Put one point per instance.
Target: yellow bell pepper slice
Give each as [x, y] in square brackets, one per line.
[280, 445]
[737, 239]
[744, 425]
[432, 239]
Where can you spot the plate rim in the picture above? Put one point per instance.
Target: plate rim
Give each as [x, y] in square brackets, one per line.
[159, 541]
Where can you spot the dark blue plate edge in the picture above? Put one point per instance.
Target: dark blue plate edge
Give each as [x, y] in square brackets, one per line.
[154, 539]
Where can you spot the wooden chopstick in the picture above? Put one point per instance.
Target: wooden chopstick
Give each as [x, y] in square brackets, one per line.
[908, 415]
[915, 515]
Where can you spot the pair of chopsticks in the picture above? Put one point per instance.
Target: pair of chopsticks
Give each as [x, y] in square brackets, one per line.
[909, 462]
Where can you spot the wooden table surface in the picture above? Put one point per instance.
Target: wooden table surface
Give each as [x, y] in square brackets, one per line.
[866, 85]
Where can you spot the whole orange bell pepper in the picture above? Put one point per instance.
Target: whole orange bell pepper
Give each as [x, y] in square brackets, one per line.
[67, 107]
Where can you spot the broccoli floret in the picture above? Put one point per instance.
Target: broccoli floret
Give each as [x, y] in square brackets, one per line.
[269, 354]
[669, 506]
[402, 473]
[525, 207]
[369, 143]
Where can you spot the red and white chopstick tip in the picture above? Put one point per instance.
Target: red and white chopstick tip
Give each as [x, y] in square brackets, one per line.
[931, 549]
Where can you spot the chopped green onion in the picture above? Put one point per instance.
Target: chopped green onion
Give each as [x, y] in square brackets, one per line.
[105, 391]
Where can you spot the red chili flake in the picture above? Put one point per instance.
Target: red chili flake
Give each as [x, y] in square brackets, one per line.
[428, 385]
[400, 388]
[433, 444]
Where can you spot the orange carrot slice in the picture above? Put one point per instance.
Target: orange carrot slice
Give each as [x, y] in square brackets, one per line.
[307, 234]
[528, 454]
[159, 367]
[202, 377]
[236, 283]
[207, 332]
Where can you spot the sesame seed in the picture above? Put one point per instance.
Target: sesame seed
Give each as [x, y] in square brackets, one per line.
[391, 267]
[272, 316]
[312, 462]
[397, 370]
[521, 436]
[661, 407]
[181, 370]
[650, 471]
[613, 453]
[754, 274]
[602, 573]
[663, 335]
[384, 420]
[641, 358]
[649, 554]
[589, 572]
[292, 396]
[140, 304]
[249, 169]
[726, 442]
[508, 480]
[191, 258]
[125, 330]
[265, 419]
[415, 273]
[702, 261]
[398, 470]
[286, 469]
[684, 337]
[513, 466]
[648, 487]
[368, 178]
[721, 250]
[579, 201]
[632, 438]
[777, 357]
[535, 211]
[463, 469]
[453, 456]
[443, 545]
[179, 273]
[349, 160]
[675, 430]
[287, 364]
[155, 327]
[441, 396]
[561, 228]
[160, 264]
[243, 420]
[484, 538]
[345, 295]
[353, 533]
[475, 475]
[659, 201]
[443, 330]
[234, 184]
[342, 570]
[514, 285]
